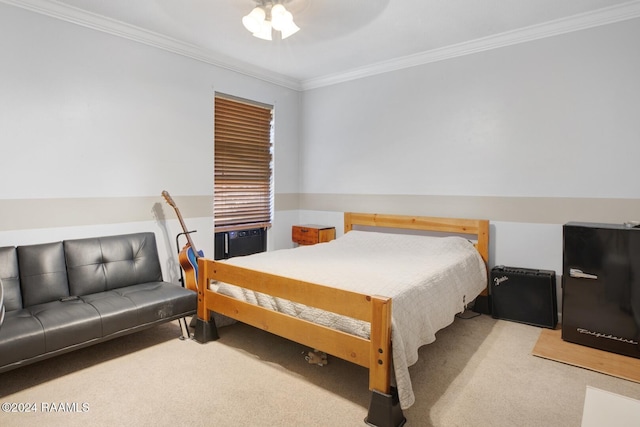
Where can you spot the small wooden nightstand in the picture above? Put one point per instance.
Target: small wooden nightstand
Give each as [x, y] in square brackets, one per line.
[311, 234]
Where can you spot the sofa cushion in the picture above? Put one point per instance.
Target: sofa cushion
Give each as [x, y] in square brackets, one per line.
[10, 280]
[21, 337]
[43, 274]
[66, 323]
[104, 263]
[159, 300]
[117, 313]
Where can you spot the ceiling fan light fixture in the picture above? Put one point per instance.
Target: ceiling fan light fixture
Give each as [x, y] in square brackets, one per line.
[261, 24]
[290, 29]
[264, 32]
[254, 20]
[279, 17]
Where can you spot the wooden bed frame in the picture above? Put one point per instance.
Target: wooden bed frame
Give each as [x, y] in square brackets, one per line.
[373, 353]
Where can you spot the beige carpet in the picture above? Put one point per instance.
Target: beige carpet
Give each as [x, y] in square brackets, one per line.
[551, 346]
[479, 372]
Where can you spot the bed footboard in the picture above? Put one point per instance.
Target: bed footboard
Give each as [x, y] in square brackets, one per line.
[373, 353]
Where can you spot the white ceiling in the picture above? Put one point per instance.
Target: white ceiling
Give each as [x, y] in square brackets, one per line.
[339, 39]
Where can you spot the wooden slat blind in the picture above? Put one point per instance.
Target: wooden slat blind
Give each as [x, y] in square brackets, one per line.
[243, 164]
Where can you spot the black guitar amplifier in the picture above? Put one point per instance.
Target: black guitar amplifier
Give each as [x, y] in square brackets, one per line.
[524, 295]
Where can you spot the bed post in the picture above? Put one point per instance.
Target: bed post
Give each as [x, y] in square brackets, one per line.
[384, 407]
[483, 240]
[482, 303]
[205, 330]
[348, 225]
[384, 410]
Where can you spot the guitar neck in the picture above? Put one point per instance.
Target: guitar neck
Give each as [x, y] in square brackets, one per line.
[184, 228]
[171, 203]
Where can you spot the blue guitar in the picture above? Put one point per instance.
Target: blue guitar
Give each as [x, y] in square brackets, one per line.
[188, 256]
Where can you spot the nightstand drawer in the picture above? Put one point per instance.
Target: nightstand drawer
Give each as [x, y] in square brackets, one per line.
[304, 235]
[312, 234]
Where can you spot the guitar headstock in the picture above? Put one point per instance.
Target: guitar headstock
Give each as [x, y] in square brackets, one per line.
[168, 198]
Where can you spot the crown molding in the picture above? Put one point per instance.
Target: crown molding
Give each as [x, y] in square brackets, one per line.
[610, 15]
[81, 17]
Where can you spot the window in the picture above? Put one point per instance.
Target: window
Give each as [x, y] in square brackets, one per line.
[243, 196]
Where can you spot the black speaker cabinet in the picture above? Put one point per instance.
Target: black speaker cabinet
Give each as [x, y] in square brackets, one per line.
[524, 295]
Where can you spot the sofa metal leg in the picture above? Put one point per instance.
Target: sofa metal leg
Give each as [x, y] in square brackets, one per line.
[185, 329]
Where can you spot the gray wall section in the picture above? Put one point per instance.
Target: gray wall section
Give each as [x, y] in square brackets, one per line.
[545, 210]
[45, 213]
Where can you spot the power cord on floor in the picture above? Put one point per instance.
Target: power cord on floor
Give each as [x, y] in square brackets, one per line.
[466, 310]
[465, 316]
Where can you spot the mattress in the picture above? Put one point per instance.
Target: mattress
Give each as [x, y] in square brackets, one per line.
[429, 279]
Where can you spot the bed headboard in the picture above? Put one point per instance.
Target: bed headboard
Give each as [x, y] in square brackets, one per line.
[475, 227]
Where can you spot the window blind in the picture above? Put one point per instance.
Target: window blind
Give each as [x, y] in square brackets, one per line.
[243, 164]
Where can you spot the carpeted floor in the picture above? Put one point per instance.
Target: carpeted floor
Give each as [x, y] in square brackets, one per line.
[479, 372]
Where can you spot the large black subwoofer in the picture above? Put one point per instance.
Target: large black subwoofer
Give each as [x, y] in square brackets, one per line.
[524, 295]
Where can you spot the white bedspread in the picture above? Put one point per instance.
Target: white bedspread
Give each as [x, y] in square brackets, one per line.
[429, 279]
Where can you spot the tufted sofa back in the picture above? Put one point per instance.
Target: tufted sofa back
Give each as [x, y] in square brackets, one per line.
[104, 263]
[36, 274]
[43, 275]
[10, 280]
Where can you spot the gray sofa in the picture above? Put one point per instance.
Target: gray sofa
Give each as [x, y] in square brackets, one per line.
[60, 296]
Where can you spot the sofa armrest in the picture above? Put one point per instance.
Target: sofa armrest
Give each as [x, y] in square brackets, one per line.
[1, 303]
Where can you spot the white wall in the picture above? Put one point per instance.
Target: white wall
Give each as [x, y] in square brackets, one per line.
[556, 117]
[555, 120]
[89, 118]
